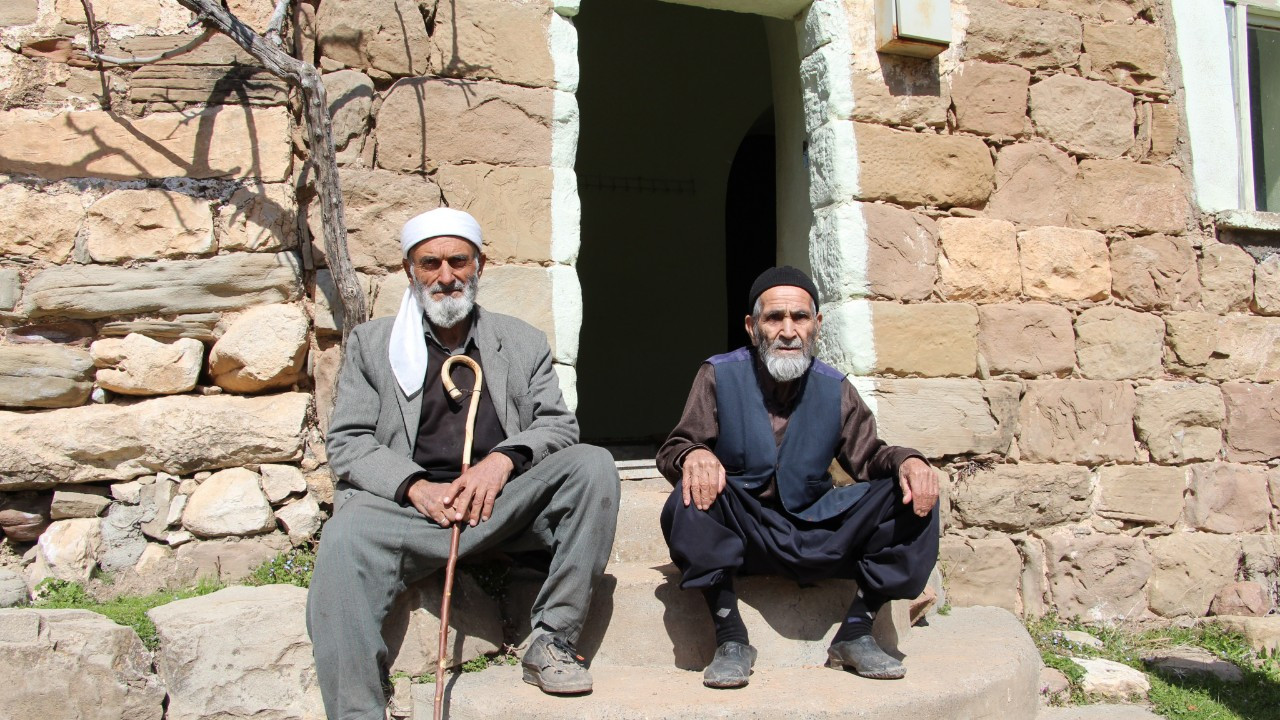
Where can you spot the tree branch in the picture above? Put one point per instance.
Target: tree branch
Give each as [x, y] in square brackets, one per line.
[277, 22]
[196, 42]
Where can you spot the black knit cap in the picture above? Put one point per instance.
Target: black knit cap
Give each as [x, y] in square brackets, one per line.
[785, 275]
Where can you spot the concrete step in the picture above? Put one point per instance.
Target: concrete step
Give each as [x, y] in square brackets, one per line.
[976, 663]
[639, 535]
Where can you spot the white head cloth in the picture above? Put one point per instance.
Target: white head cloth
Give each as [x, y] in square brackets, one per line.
[408, 347]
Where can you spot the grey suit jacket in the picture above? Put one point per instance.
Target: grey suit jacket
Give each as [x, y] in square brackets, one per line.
[375, 425]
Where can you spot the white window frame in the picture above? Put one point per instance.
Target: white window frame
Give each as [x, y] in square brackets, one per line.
[1243, 14]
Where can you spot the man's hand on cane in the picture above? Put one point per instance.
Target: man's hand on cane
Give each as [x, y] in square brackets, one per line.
[470, 498]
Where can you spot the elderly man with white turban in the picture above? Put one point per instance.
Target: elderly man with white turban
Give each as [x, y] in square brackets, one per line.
[395, 444]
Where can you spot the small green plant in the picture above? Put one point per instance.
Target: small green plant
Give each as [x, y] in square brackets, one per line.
[128, 610]
[292, 567]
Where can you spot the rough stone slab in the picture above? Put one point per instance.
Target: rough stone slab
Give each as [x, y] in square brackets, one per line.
[301, 519]
[978, 260]
[1064, 264]
[229, 502]
[39, 225]
[138, 365]
[902, 252]
[934, 339]
[1192, 663]
[1180, 422]
[1228, 498]
[899, 95]
[1086, 117]
[1124, 195]
[512, 204]
[218, 142]
[1013, 498]
[177, 434]
[1027, 339]
[522, 291]
[217, 50]
[351, 95]
[1150, 495]
[175, 87]
[226, 282]
[147, 224]
[639, 537]
[10, 288]
[1028, 37]
[990, 99]
[1077, 421]
[79, 501]
[264, 348]
[981, 572]
[24, 515]
[1113, 343]
[1241, 598]
[19, 12]
[1187, 571]
[1157, 271]
[494, 39]
[1096, 576]
[1111, 679]
[1226, 278]
[1266, 282]
[1127, 54]
[1166, 128]
[201, 326]
[260, 217]
[1253, 421]
[942, 417]
[229, 560]
[1101, 711]
[922, 168]
[386, 35]
[44, 376]
[412, 629]
[377, 205]
[1035, 185]
[942, 682]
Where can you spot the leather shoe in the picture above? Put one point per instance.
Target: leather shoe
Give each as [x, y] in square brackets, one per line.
[864, 657]
[731, 667]
[552, 663]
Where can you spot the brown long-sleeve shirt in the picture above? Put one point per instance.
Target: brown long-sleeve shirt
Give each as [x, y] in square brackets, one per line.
[862, 454]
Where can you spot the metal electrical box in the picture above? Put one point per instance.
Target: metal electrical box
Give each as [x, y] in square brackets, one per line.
[918, 28]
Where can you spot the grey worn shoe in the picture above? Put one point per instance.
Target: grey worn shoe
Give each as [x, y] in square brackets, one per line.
[731, 666]
[552, 663]
[864, 657]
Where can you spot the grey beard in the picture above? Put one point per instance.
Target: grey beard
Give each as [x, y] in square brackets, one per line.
[783, 369]
[447, 311]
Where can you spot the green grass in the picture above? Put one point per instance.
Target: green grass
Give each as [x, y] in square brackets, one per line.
[127, 610]
[291, 567]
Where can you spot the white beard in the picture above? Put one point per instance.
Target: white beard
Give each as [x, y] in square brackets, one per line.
[447, 311]
[783, 368]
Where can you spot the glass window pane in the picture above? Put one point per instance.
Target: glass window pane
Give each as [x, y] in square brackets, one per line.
[1264, 102]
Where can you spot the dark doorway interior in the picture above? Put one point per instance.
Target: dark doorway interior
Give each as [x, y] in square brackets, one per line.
[750, 221]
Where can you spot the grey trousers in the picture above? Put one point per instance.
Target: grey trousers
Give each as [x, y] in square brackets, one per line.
[373, 548]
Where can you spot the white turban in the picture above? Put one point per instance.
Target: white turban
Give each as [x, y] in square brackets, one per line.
[438, 222]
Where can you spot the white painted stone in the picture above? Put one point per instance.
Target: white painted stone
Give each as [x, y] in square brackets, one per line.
[562, 39]
[847, 340]
[1203, 52]
[826, 86]
[566, 309]
[838, 253]
[833, 164]
[564, 129]
[566, 216]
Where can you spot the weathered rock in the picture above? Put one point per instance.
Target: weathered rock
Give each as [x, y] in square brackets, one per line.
[1024, 36]
[258, 218]
[129, 493]
[1240, 598]
[225, 282]
[122, 539]
[1253, 421]
[228, 560]
[1077, 421]
[301, 519]
[933, 340]
[1192, 663]
[978, 260]
[79, 501]
[325, 362]
[68, 550]
[1013, 498]
[13, 589]
[146, 224]
[981, 572]
[10, 288]
[512, 204]
[1113, 343]
[377, 202]
[947, 417]
[1266, 286]
[496, 40]
[1263, 633]
[902, 252]
[327, 310]
[922, 168]
[1127, 54]
[1064, 264]
[38, 225]
[281, 481]
[230, 502]
[1111, 679]
[1096, 576]
[1226, 278]
[1035, 185]
[214, 143]
[990, 99]
[181, 434]
[19, 12]
[103, 668]
[138, 365]
[1180, 422]
[201, 326]
[238, 652]
[350, 94]
[1166, 128]
[427, 122]
[1228, 498]
[1124, 195]
[1082, 116]
[1188, 568]
[262, 349]
[23, 516]
[899, 95]
[1149, 495]
[1054, 685]
[1236, 347]
[44, 376]
[1030, 339]
[1157, 271]
[386, 35]
[412, 630]
[1080, 638]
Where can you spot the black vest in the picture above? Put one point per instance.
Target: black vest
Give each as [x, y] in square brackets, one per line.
[746, 445]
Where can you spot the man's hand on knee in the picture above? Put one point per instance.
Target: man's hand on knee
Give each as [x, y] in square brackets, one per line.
[471, 497]
[703, 478]
[428, 498]
[919, 485]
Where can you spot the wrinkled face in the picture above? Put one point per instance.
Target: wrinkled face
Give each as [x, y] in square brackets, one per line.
[783, 329]
[444, 276]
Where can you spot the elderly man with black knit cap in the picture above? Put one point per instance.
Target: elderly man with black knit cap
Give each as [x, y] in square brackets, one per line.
[753, 495]
[395, 443]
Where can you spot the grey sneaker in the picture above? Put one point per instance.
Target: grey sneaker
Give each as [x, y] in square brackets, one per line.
[552, 663]
[865, 658]
[731, 667]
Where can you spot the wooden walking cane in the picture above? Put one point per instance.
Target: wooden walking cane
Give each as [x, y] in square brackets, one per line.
[456, 394]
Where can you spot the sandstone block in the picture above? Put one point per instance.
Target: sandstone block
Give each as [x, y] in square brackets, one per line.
[23, 516]
[351, 94]
[412, 630]
[200, 326]
[1086, 117]
[229, 502]
[1077, 421]
[226, 282]
[1228, 498]
[38, 225]
[1253, 421]
[1180, 422]
[281, 481]
[902, 252]
[228, 560]
[524, 292]
[325, 362]
[19, 12]
[1225, 348]
[138, 365]
[1028, 339]
[320, 485]
[301, 519]
[10, 288]
[427, 122]
[262, 349]
[1113, 343]
[512, 204]
[1013, 498]
[1024, 36]
[1112, 679]
[157, 498]
[147, 224]
[990, 99]
[253, 639]
[1266, 290]
[1156, 271]
[1166, 127]
[181, 434]
[1240, 598]
[979, 260]
[922, 168]
[903, 98]
[1096, 576]
[377, 204]
[947, 417]
[13, 589]
[1127, 54]
[981, 572]
[495, 40]
[1226, 278]
[258, 218]
[218, 142]
[124, 12]
[1187, 569]
[68, 550]
[933, 340]
[1035, 184]
[386, 35]
[1146, 494]
[103, 668]
[44, 376]
[79, 501]
[1124, 195]
[1064, 264]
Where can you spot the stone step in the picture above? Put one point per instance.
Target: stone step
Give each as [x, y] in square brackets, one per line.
[975, 663]
[639, 536]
